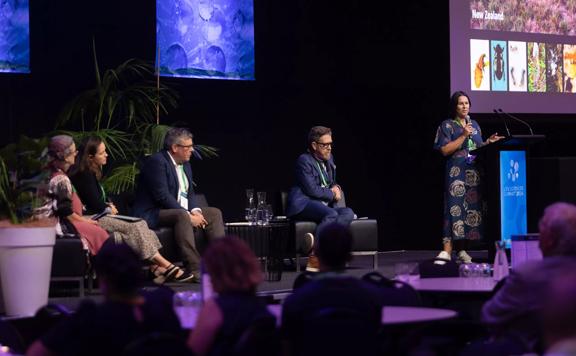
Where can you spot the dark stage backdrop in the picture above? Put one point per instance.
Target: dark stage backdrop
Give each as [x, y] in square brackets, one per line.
[376, 72]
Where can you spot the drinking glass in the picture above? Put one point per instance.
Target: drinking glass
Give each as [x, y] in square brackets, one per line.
[268, 214]
[250, 206]
[465, 270]
[260, 209]
[407, 271]
[187, 306]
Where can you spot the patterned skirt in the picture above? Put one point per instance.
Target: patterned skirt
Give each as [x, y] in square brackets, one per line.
[137, 235]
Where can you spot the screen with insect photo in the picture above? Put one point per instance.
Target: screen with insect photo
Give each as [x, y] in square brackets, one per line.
[519, 56]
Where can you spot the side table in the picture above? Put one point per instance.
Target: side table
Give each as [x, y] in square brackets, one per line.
[269, 243]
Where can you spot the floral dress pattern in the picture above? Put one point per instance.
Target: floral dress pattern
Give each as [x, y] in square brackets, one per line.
[462, 199]
[61, 201]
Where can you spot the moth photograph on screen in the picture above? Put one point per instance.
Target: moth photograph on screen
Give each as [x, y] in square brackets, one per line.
[212, 39]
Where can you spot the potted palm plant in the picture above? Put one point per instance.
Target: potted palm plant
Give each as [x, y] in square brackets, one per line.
[26, 244]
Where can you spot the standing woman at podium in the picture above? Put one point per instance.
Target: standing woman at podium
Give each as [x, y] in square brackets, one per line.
[463, 215]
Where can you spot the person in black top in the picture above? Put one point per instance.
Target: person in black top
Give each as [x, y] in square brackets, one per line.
[126, 314]
[235, 273]
[334, 313]
[85, 177]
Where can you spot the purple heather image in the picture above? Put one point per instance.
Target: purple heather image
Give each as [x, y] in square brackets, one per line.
[530, 64]
[556, 17]
[212, 39]
[14, 36]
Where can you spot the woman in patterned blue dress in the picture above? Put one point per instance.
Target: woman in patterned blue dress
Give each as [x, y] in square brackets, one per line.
[455, 138]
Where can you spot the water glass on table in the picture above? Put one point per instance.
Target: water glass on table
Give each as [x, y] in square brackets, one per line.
[268, 214]
[250, 211]
[470, 270]
[187, 305]
[407, 271]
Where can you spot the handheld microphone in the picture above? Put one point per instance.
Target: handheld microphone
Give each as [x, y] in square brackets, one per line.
[503, 120]
[517, 119]
[469, 142]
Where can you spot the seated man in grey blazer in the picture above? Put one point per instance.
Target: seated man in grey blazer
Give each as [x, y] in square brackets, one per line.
[165, 197]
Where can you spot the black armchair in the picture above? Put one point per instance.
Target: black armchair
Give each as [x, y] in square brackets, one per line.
[364, 233]
[70, 262]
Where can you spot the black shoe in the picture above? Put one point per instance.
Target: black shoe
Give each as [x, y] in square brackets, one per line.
[185, 277]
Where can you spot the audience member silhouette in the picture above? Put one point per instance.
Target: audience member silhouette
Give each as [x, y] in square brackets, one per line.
[333, 313]
[125, 315]
[559, 315]
[514, 311]
[225, 319]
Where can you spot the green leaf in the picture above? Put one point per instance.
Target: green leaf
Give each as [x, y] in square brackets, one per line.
[121, 179]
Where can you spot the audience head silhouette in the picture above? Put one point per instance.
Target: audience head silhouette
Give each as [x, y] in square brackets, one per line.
[333, 247]
[119, 270]
[232, 266]
[558, 230]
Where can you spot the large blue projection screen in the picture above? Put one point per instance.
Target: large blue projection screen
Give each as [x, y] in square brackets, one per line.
[205, 38]
[14, 36]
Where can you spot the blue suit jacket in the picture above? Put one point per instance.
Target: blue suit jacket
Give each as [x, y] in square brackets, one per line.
[309, 184]
[158, 188]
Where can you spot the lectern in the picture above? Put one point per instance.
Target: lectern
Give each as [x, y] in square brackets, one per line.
[504, 188]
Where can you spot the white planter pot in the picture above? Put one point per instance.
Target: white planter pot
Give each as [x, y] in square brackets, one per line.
[25, 266]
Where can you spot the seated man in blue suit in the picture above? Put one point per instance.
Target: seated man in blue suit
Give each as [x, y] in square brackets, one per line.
[165, 197]
[316, 195]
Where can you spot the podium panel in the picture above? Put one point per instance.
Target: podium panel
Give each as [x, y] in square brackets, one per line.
[513, 207]
[505, 187]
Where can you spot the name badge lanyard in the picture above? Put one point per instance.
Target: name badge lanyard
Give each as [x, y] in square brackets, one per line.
[322, 177]
[184, 179]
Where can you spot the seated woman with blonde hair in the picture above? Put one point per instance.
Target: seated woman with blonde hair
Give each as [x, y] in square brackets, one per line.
[235, 274]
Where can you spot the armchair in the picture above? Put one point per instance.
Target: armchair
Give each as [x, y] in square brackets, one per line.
[364, 233]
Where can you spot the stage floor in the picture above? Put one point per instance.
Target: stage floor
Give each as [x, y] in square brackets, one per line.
[278, 290]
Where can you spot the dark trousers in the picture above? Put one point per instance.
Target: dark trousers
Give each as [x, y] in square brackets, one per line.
[324, 215]
[179, 220]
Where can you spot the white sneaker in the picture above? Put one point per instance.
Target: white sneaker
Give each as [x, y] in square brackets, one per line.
[442, 256]
[464, 257]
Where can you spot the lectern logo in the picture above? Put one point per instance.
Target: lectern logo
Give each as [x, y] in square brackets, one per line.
[513, 172]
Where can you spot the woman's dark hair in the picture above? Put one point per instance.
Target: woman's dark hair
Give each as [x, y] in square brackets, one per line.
[88, 148]
[454, 102]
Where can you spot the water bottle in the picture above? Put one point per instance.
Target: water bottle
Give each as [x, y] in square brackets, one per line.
[500, 261]
[205, 283]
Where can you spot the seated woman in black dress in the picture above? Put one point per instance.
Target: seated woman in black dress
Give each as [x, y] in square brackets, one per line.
[85, 177]
[235, 273]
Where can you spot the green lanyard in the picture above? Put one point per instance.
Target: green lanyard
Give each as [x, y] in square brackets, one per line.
[184, 179]
[103, 192]
[324, 180]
